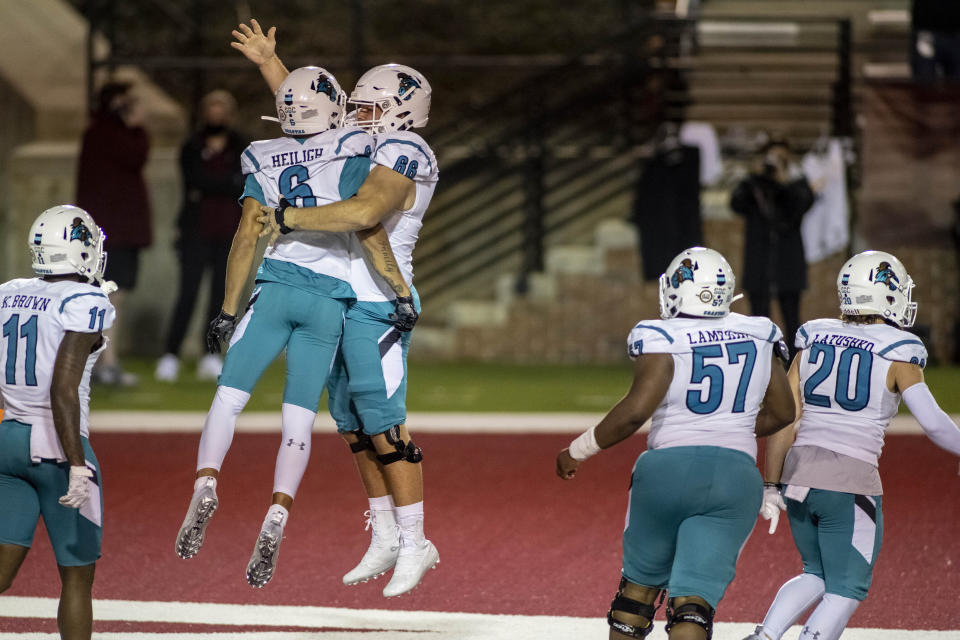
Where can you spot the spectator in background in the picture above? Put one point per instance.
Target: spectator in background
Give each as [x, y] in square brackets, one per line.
[111, 187]
[935, 50]
[212, 181]
[666, 204]
[773, 199]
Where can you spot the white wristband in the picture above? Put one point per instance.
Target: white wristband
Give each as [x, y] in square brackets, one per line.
[584, 446]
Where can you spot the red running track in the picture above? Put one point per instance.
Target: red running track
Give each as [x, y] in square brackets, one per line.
[512, 537]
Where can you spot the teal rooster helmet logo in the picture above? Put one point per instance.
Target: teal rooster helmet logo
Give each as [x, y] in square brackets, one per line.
[407, 82]
[79, 231]
[886, 276]
[323, 85]
[683, 273]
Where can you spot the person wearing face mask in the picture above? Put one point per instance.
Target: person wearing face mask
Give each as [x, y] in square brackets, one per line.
[210, 165]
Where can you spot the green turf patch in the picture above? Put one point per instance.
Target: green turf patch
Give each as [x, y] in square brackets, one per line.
[433, 386]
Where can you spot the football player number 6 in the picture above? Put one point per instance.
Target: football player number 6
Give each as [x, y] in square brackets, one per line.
[301, 190]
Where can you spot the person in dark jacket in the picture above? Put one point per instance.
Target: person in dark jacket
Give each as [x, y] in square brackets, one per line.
[212, 180]
[772, 203]
[110, 185]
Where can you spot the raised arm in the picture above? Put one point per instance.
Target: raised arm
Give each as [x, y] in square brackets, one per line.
[383, 192]
[260, 49]
[652, 374]
[939, 427]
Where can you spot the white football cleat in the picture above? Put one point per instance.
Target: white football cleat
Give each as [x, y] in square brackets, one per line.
[209, 367]
[414, 560]
[384, 547]
[202, 506]
[263, 562]
[168, 368]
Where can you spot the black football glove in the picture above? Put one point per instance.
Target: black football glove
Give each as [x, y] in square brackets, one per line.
[221, 328]
[405, 315]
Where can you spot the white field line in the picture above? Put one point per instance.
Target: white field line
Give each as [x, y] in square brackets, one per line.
[394, 624]
[505, 423]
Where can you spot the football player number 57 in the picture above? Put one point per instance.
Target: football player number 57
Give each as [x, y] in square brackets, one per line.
[735, 352]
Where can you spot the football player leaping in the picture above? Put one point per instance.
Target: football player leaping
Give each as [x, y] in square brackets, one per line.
[52, 327]
[711, 381]
[301, 295]
[369, 402]
[848, 377]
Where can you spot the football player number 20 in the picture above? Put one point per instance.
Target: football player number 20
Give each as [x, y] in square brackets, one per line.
[861, 394]
[13, 332]
[736, 352]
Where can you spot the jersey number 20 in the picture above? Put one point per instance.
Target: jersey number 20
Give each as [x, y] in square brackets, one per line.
[841, 394]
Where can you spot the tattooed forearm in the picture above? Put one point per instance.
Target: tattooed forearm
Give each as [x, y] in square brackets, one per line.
[376, 246]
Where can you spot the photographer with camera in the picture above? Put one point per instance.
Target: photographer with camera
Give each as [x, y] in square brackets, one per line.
[773, 200]
[111, 187]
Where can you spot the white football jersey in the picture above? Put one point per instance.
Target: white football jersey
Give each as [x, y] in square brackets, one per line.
[843, 379]
[313, 171]
[35, 315]
[721, 370]
[408, 154]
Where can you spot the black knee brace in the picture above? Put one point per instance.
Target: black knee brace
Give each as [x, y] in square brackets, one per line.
[404, 450]
[690, 613]
[633, 607]
[363, 443]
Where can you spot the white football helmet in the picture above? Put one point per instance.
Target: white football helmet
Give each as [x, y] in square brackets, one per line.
[876, 283]
[64, 240]
[310, 101]
[699, 282]
[398, 94]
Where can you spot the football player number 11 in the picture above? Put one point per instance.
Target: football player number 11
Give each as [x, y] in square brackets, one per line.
[13, 332]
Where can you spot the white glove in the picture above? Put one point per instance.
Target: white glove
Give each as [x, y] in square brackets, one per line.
[79, 490]
[772, 505]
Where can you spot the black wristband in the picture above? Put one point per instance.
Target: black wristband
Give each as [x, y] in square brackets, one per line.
[278, 216]
[773, 484]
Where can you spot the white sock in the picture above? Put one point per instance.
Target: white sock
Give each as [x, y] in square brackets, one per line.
[830, 618]
[203, 481]
[273, 512]
[219, 427]
[383, 503]
[794, 597]
[409, 516]
[294, 453]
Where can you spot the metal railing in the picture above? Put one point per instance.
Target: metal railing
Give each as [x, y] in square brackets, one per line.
[538, 161]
